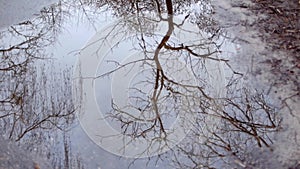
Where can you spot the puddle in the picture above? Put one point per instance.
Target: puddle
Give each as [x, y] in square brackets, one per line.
[94, 84]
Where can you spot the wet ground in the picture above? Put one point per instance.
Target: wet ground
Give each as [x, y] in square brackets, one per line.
[105, 84]
[269, 36]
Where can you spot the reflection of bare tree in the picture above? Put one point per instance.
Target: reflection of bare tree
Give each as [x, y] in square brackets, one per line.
[246, 121]
[162, 81]
[35, 99]
[25, 100]
[198, 11]
[226, 128]
[183, 96]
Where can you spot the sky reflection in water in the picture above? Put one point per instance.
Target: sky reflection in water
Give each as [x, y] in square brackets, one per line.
[162, 82]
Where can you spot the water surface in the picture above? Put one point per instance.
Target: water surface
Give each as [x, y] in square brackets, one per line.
[107, 84]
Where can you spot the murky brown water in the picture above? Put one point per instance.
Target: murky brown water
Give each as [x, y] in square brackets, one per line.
[152, 84]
